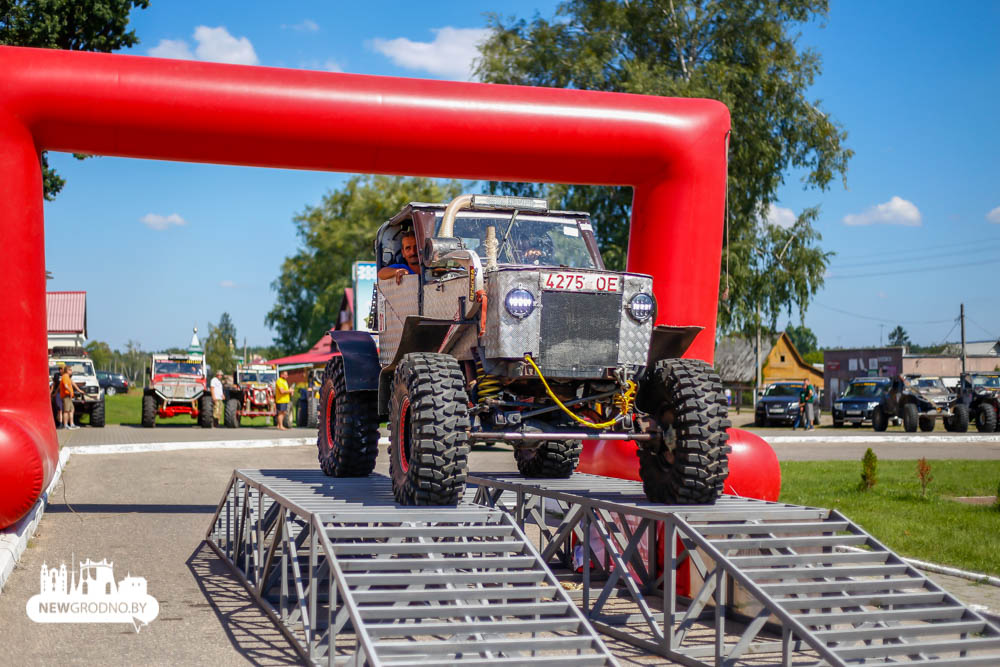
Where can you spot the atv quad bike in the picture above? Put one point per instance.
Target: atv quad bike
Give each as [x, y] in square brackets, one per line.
[980, 392]
[177, 387]
[90, 399]
[251, 394]
[512, 330]
[918, 401]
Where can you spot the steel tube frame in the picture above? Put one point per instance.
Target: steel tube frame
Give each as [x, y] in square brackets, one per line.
[671, 151]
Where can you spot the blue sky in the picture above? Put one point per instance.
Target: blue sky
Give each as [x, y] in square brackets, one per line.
[162, 246]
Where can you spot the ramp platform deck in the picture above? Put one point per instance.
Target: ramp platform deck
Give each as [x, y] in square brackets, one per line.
[352, 578]
[805, 584]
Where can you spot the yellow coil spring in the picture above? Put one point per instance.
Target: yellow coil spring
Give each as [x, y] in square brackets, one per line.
[623, 401]
[486, 385]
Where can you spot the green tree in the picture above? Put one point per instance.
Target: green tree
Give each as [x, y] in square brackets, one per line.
[803, 338]
[741, 53]
[899, 337]
[334, 235]
[219, 346]
[75, 25]
[100, 353]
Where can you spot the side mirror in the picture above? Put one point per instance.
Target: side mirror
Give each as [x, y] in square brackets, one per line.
[436, 248]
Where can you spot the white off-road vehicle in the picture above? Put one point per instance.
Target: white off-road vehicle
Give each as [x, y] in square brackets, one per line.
[513, 330]
[90, 400]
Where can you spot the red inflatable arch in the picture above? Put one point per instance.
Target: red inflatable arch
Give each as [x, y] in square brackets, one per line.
[672, 151]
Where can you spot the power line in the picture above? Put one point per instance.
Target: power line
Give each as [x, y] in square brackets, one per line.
[900, 260]
[988, 333]
[936, 246]
[927, 269]
[879, 319]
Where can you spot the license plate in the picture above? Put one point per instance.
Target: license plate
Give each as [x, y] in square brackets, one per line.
[570, 281]
[854, 412]
[777, 410]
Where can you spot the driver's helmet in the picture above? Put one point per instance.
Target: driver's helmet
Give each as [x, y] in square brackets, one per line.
[536, 250]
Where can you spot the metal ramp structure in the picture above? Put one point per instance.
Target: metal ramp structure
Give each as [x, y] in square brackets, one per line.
[352, 578]
[806, 585]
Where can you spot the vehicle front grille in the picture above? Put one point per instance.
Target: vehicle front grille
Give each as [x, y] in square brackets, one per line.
[579, 332]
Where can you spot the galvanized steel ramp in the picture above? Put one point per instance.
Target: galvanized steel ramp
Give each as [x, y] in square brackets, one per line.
[806, 584]
[352, 578]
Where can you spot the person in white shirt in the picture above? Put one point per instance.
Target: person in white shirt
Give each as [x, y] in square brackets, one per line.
[218, 398]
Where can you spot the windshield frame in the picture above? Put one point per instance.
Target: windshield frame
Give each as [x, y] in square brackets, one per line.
[779, 391]
[572, 226]
[878, 389]
[159, 370]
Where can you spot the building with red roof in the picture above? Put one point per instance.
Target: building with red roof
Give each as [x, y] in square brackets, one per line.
[66, 313]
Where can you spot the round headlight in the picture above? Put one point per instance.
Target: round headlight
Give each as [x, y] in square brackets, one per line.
[641, 307]
[519, 302]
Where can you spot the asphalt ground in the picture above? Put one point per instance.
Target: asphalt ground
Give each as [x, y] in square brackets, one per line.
[148, 514]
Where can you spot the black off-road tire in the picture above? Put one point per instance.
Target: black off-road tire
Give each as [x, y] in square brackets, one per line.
[986, 418]
[206, 418]
[926, 424]
[960, 419]
[429, 424]
[148, 410]
[759, 421]
[311, 412]
[231, 413]
[97, 414]
[910, 417]
[880, 420]
[348, 426]
[552, 458]
[695, 468]
[300, 413]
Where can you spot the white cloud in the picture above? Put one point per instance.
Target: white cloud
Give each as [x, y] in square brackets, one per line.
[882, 295]
[332, 66]
[896, 211]
[306, 25]
[162, 222]
[228, 284]
[994, 215]
[450, 55]
[176, 49]
[218, 46]
[213, 45]
[780, 217]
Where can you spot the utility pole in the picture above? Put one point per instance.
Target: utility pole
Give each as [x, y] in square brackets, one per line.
[756, 390]
[961, 317]
[881, 336]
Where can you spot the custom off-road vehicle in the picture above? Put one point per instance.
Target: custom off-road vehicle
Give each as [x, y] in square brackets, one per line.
[980, 393]
[513, 330]
[90, 401]
[860, 399]
[919, 400]
[307, 407]
[251, 394]
[177, 387]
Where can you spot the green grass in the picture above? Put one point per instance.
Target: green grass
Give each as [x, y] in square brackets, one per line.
[127, 409]
[934, 528]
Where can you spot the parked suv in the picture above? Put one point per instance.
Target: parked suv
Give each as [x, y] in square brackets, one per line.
[856, 404]
[112, 383]
[90, 401]
[919, 400]
[779, 404]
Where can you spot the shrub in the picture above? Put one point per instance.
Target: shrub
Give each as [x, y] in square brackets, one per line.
[869, 470]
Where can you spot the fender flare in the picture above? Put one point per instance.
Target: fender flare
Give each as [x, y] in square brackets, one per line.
[361, 366]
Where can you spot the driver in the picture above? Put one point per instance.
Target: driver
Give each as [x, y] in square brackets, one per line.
[412, 264]
[535, 250]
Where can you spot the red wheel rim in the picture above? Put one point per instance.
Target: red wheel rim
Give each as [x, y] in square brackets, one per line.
[402, 435]
[330, 418]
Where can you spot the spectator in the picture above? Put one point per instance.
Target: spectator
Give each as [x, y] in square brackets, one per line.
[57, 404]
[807, 398]
[729, 396]
[218, 398]
[67, 390]
[283, 398]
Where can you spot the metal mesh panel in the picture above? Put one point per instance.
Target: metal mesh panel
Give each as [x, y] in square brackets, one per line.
[579, 331]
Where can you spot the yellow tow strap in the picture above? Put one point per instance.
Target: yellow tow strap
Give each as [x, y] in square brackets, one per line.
[623, 401]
